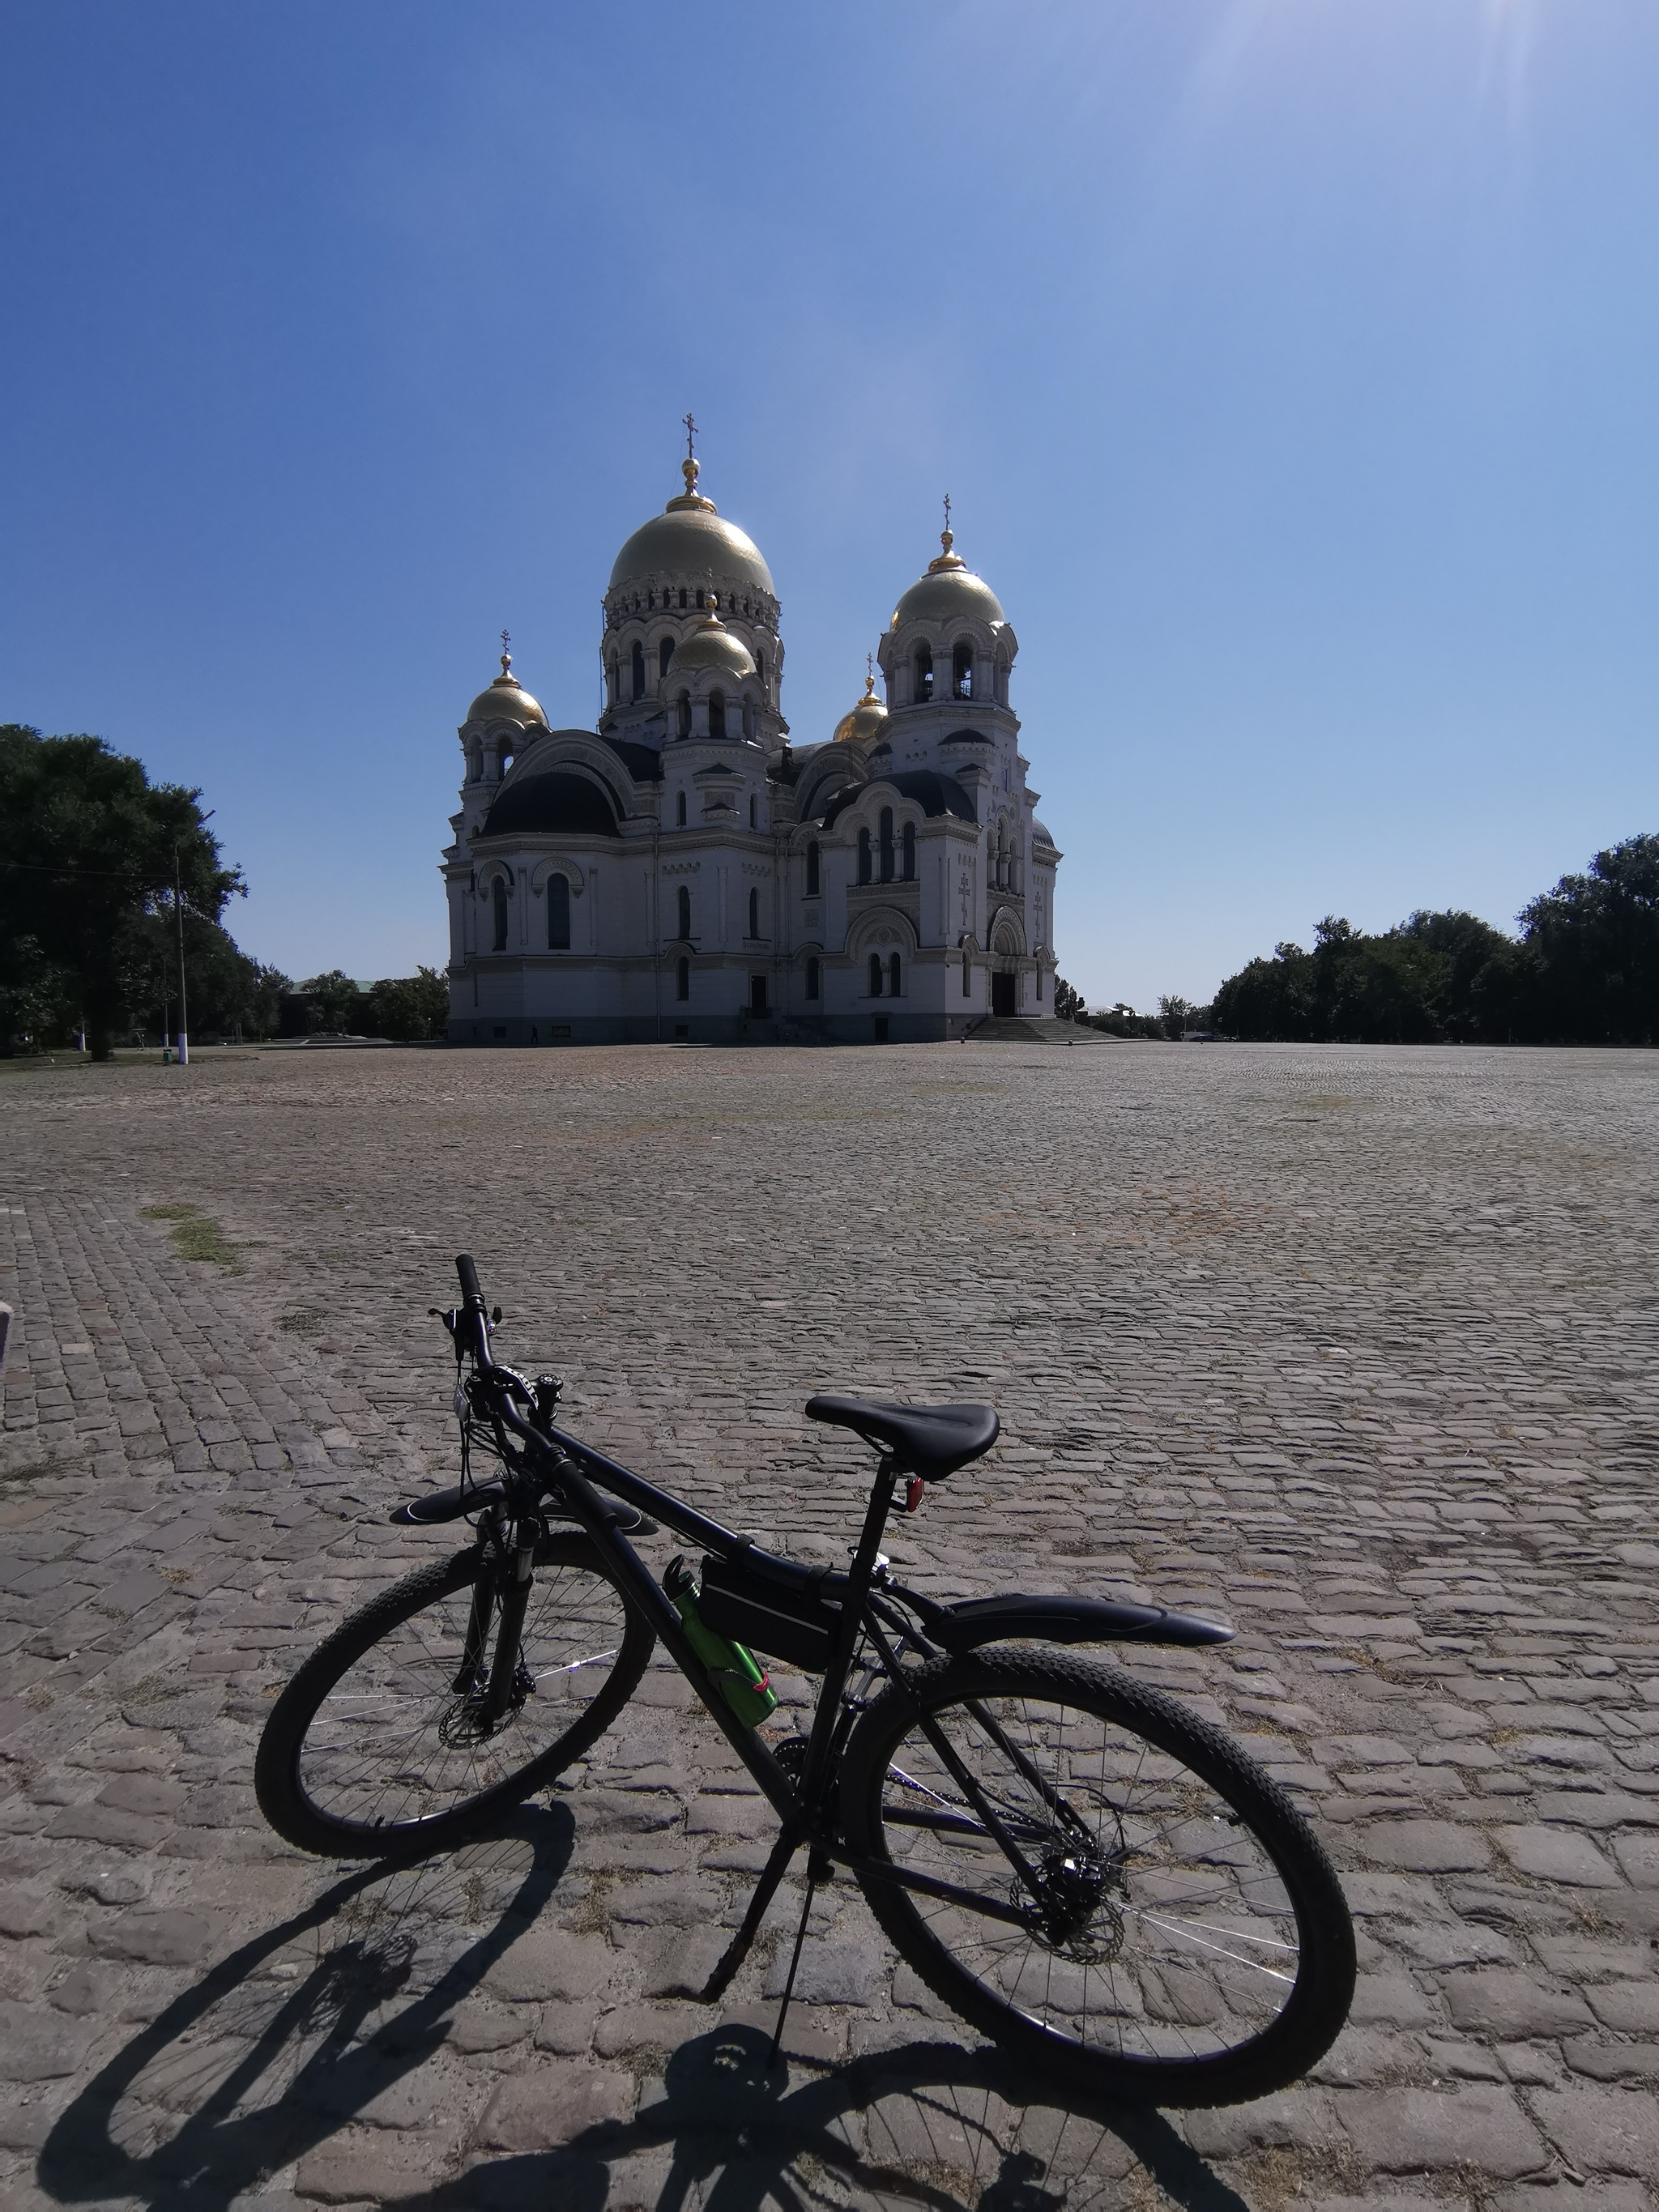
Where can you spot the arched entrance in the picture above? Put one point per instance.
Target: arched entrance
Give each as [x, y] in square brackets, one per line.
[1007, 947]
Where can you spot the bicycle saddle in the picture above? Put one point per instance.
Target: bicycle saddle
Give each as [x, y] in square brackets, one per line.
[931, 1440]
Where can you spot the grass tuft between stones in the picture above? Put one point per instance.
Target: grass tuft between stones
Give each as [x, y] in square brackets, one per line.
[195, 1235]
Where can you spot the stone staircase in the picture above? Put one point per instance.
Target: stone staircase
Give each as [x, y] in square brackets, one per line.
[1029, 1029]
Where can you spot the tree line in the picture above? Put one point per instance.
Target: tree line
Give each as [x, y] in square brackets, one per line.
[98, 867]
[1581, 968]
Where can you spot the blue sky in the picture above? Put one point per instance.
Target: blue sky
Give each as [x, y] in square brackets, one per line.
[1291, 364]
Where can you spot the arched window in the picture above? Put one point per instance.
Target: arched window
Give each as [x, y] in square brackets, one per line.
[864, 856]
[1002, 857]
[924, 673]
[812, 864]
[887, 844]
[754, 913]
[875, 975]
[1002, 683]
[754, 811]
[639, 670]
[498, 897]
[681, 596]
[682, 903]
[679, 810]
[909, 863]
[665, 654]
[682, 715]
[749, 721]
[967, 976]
[893, 976]
[760, 671]
[558, 914]
[811, 979]
[717, 713]
[699, 599]
[683, 979]
[962, 672]
[475, 764]
[616, 682]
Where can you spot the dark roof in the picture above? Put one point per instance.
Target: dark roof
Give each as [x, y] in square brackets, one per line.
[556, 801]
[1041, 834]
[643, 762]
[933, 792]
[972, 737]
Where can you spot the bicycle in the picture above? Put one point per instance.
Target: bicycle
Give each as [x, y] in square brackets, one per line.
[1098, 1880]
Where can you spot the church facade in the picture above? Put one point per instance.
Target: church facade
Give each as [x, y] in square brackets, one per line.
[685, 872]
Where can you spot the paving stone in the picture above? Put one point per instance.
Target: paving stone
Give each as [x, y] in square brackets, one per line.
[554, 2105]
[545, 1965]
[36, 2045]
[1429, 2131]
[365, 2166]
[1553, 1854]
[1638, 1856]
[1603, 2130]
[1494, 2002]
[1423, 1846]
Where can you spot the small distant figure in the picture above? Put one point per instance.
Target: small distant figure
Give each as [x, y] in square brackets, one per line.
[166, 1055]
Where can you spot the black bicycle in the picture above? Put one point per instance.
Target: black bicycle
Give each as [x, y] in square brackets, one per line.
[1095, 1878]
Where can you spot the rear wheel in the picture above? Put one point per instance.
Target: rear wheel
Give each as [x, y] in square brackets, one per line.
[1134, 1906]
[381, 1744]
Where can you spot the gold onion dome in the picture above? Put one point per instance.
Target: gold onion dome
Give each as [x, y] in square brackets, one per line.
[689, 539]
[950, 588]
[507, 701]
[866, 720]
[711, 644]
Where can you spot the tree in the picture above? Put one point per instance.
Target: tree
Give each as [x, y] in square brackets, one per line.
[1595, 941]
[413, 1008]
[88, 848]
[339, 1007]
[1068, 1003]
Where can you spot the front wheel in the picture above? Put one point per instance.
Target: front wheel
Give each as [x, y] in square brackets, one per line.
[383, 1743]
[1119, 1895]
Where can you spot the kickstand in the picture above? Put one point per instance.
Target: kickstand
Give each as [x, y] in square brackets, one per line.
[817, 1870]
[766, 1889]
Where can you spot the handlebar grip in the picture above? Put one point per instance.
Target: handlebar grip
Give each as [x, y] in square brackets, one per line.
[471, 1293]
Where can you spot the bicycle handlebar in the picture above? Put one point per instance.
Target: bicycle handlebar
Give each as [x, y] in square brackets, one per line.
[471, 1293]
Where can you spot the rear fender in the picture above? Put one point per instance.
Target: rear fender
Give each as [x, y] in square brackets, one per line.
[980, 1620]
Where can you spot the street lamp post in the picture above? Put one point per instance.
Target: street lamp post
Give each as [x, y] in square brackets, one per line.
[179, 915]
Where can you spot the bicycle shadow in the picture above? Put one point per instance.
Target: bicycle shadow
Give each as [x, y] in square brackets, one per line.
[258, 2068]
[246, 2071]
[926, 2124]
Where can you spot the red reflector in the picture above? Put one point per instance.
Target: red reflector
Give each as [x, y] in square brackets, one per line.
[913, 1494]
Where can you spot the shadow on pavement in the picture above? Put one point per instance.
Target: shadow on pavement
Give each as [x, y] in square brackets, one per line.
[314, 2021]
[293, 2033]
[928, 2125]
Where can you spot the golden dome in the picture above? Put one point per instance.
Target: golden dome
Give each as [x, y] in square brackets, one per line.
[866, 720]
[950, 588]
[690, 539]
[506, 701]
[711, 644]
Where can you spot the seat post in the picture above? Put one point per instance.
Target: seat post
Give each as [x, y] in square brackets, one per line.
[851, 1619]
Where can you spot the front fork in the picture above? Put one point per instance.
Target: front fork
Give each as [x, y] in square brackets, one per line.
[505, 1597]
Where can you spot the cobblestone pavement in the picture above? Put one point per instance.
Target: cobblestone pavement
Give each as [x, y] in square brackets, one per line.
[1357, 1348]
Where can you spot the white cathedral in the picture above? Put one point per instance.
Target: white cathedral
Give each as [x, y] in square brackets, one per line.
[684, 871]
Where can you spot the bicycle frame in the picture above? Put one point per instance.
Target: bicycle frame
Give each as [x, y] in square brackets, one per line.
[557, 1464]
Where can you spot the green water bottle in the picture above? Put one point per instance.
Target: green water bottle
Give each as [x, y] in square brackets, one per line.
[742, 1682]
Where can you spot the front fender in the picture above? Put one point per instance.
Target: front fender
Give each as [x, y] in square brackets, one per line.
[977, 1621]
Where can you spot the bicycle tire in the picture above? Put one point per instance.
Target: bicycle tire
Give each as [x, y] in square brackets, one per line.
[337, 1784]
[1198, 1900]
